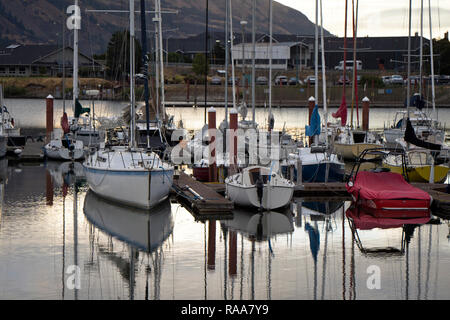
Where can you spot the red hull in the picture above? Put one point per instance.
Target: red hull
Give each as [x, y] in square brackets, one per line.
[388, 195]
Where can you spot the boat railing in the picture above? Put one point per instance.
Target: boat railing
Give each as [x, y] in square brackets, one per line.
[369, 154]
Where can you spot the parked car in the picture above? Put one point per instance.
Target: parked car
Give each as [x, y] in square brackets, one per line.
[386, 79]
[396, 79]
[341, 80]
[413, 80]
[281, 80]
[217, 81]
[310, 79]
[262, 81]
[294, 81]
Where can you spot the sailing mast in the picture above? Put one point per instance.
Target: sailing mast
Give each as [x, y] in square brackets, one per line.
[145, 64]
[316, 62]
[132, 75]
[421, 50]
[345, 62]
[433, 96]
[324, 80]
[355, 80]
[161, 62]
[75, 55]
[253, 64]
[270, 60]
[227, 54]
[408, 87]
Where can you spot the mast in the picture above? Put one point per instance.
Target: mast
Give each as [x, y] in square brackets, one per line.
[345, 61]
[355, 80]
[408, 87]
[316, 54]
[316, 62]
[206, 57]
[145, 64]
[270, 56]
[64, 67]
[155, 20]
[132, 72]
[232, 58]
[433, 96]
[227, 54]
[75, 56]
[253, 63]
[421, 50]
[161, 62]
[324, 80]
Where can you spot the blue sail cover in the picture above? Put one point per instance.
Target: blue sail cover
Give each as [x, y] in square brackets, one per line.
[314, 128]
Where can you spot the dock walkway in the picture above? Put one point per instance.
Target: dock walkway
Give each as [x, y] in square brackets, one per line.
[204, 202]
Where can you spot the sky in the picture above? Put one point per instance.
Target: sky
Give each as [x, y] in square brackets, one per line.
[378, 17]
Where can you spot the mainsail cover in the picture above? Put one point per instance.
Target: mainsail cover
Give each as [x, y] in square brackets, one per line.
[342, 112]
[410, 136]
[314, 128]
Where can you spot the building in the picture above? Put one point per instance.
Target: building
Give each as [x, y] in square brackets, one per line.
[285, 55]
[44, 60]
[385, 53]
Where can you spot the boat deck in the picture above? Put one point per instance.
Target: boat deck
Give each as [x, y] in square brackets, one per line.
[200, 199]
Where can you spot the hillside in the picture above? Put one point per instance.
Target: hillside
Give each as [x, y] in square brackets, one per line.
[41, 21]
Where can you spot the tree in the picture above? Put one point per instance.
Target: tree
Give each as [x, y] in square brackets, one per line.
[118, 55]
[199, 65]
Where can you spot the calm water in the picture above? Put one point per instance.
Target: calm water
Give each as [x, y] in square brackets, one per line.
[49, 222]
[31, 113]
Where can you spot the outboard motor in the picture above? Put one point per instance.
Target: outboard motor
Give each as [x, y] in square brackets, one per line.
[260, 190]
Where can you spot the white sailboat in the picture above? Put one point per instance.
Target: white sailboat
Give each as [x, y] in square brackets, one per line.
[63, 144]
[259, 187]
[127, 174]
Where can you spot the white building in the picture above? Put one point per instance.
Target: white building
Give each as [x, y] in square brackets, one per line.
[285, 55]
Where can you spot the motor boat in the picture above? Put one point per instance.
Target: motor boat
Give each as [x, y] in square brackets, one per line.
[350, 143]
[386, 194]
[259, 187]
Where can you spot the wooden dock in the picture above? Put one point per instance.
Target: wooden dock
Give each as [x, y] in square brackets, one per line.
[200, 199]
[32, 153]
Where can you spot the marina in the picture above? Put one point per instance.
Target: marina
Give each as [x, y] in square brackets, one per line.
[123, 182]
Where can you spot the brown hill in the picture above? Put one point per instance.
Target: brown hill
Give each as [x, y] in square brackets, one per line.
[41, 21]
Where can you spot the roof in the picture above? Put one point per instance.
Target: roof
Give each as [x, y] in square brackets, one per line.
[24, 54]
[29, 54]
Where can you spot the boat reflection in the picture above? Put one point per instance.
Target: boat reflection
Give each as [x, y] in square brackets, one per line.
[359, 219]
[260, 226]
[65, 173]
[142, 230]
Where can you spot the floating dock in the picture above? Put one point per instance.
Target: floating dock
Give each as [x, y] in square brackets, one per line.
[200, 199]
[32, 152]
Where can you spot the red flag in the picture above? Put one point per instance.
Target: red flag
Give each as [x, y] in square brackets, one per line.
[342, 112]
[65, 123]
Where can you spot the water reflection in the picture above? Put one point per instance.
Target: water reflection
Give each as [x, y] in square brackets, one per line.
[144, 231]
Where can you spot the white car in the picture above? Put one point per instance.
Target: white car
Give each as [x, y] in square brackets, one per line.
[386, 79]
[396, 79]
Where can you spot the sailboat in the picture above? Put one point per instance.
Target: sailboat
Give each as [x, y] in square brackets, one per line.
[421, 139]
[319, 164]
[425, 126]
[64, 145]
[16, 141]
[349, 142]
[128, 174]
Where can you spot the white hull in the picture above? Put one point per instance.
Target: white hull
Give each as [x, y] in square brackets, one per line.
[274, 197]
[142, 189]
[64, 154]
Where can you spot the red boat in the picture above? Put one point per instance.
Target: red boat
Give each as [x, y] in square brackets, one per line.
[388, 195]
